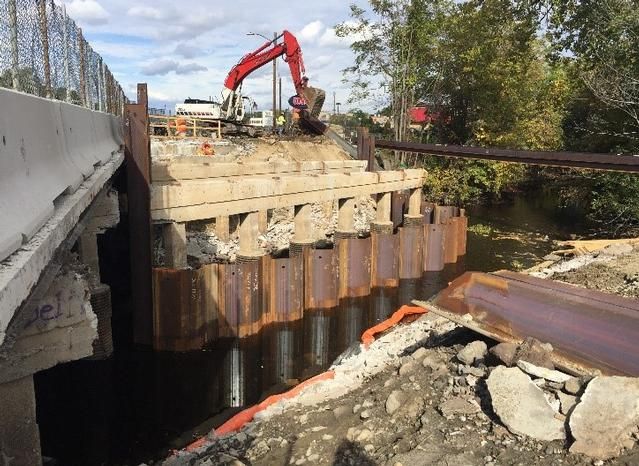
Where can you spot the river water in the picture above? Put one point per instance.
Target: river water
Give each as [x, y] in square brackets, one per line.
[138, 405]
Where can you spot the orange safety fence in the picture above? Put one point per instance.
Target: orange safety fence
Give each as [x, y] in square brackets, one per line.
[368, 336]
[243, 417]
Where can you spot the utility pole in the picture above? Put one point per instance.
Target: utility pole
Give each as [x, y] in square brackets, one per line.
[274, 83]
[280, 95]
[334, 106]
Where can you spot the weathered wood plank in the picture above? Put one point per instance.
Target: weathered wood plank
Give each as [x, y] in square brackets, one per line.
[191, 168]
[196, 200]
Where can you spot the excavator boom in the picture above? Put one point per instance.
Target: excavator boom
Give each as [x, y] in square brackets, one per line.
[289, 48]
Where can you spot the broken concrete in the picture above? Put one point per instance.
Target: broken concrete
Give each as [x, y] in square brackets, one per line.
[395, 401]
[567, 402]
[536, 371]
[522, 406]
[61, 328]
[458, 406]
[472, 352]
[573, 385]
[603, 421]
[535, 352]
[505, 352]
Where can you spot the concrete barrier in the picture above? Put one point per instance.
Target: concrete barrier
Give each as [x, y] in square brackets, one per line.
[47, 148]
[80, 137]
[107, 141]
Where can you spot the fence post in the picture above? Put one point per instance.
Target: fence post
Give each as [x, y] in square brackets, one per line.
[104, 84]
[65, 40]
[83, 82]
[100, 92]
[13, 27]
[371, 154]
[44, 35]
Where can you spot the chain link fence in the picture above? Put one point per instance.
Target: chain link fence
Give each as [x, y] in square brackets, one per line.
[43, 52]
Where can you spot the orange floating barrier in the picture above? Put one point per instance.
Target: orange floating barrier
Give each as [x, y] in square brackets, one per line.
[368, 336]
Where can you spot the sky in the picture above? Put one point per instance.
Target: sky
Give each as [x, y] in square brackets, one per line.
[186, 48]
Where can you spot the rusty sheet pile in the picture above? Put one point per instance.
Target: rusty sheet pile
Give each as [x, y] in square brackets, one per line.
[590, 331]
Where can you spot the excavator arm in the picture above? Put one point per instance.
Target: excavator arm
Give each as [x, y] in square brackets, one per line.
[289, 48]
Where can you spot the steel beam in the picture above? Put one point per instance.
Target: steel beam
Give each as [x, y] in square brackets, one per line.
[589, 330]
[610, 162]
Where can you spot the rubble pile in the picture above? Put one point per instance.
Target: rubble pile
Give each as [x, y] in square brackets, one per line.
[444, 402]
[205, 247]
[612, 269]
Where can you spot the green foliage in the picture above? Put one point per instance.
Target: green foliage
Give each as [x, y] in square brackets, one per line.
[391, 45]
[466, 182]
[522, 74]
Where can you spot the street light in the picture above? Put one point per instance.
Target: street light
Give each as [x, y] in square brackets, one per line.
[257, 34]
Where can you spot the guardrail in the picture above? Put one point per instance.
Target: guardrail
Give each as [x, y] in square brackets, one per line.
[162, 126]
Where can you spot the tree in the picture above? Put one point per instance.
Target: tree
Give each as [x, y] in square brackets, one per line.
[391, 44]
[602, 37]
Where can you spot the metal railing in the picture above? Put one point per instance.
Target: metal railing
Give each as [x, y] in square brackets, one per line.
[608, 162]
[43, 53]
[162, 126]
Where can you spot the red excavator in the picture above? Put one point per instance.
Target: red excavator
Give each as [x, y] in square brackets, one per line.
[231, 109]
[308, 99]
[289, 49]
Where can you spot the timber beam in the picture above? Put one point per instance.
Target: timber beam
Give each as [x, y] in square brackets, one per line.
[203, 199]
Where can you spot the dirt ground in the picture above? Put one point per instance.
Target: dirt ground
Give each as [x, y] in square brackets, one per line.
[444, 418]
[619, 276]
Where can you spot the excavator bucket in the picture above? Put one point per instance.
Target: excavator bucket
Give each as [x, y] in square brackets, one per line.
[315, 100]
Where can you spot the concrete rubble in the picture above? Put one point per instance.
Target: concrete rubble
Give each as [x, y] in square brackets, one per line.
[522, 406]
[413, 400]
[205, 247]
[606, 420]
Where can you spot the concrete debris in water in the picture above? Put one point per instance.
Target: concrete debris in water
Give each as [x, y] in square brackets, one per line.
[606, 417]
[522, 406]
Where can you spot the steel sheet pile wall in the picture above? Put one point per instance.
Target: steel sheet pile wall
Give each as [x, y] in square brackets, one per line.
[265, 295]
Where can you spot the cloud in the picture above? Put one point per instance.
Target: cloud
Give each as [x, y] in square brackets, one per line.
[146, 12]
[311, 30]
[330, 39]
[164, 66]
[87, 11]
[190, 68]
[160, 67]
[188, 51]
